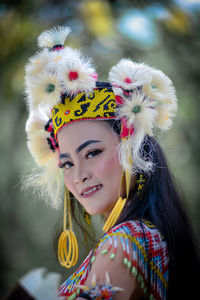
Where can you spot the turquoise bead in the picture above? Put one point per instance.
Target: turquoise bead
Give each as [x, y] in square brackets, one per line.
[136, 109]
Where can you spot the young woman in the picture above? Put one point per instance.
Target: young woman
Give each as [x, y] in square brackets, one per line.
[100, 137]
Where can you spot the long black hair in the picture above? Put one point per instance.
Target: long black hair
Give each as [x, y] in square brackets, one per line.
[160, 203]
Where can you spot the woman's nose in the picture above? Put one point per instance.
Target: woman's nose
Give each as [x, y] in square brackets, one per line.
[81, 175]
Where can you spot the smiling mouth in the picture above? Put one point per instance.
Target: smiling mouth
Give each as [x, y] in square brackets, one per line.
[93, 189]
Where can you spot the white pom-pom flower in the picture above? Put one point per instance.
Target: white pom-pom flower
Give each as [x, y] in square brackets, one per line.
[139, 111]
[43, 89]
[155, 84]
[53, 37]
[37, 63]
[129, 75]
[75, 73]
[165, 114]
[37, 137]
[37, 120]
[160, 87]
[39, 148]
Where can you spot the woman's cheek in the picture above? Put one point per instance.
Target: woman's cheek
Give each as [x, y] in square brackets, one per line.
[68, 182]
[107, 166]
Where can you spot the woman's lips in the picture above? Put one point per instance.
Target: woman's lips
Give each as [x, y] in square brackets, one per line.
[91, 190]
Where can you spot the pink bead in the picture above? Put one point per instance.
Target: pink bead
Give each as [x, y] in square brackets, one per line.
[119, 99]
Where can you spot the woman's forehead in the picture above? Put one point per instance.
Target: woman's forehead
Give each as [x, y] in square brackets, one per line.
[79, 132]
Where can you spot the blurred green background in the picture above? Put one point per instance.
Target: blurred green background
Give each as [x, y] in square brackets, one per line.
[164, 34]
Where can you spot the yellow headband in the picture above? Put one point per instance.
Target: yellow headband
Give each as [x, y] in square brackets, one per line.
[99, 104]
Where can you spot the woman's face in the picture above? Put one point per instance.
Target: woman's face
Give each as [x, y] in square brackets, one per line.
[92, 172]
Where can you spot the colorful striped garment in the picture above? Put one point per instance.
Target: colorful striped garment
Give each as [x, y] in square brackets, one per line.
[145, 255]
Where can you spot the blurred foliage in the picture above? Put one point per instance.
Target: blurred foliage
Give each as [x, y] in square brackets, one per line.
[105, 31]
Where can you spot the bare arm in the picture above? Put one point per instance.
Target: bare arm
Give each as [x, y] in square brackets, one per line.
[120, 275]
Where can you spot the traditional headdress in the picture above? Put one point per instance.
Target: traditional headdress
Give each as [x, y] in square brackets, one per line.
[61, 88]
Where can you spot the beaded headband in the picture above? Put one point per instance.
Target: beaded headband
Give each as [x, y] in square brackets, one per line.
[96, 105]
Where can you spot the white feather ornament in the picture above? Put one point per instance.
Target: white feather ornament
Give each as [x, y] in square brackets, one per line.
[134, 143]
[75, 74]
[46, 182]
[43, 89]
[160, 87]
[129, 75]
[36, 122]
[37, 62]
[39, 148]
[155, 84]
[53, 37]
[51, 184]
[143, 114]
[165, 114]
[139, 111]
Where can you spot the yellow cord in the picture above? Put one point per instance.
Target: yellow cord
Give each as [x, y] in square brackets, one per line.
[116, 211]
[67, 244]
[114, 215]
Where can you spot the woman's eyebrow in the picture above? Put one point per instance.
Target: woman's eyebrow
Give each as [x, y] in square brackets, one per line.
[85, 144]
[64, 155]
[81, 147]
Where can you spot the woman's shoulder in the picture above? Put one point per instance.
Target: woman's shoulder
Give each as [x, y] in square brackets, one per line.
[142, 250]
[135, 226]
[132, 248]
[142, 233]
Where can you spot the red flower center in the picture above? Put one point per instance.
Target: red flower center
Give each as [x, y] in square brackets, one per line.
[73, 75]
[127, 80]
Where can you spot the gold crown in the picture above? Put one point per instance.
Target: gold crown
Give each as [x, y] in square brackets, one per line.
[98, 104]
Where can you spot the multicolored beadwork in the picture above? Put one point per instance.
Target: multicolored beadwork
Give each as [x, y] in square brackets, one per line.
[142, 256]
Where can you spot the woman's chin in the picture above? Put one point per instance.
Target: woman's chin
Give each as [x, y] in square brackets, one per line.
[100, 211]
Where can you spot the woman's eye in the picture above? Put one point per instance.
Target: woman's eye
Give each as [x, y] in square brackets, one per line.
[93, 153]
[66, 165]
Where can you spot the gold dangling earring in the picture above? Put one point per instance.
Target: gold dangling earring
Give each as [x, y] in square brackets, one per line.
[67, 244]
[117, 209]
